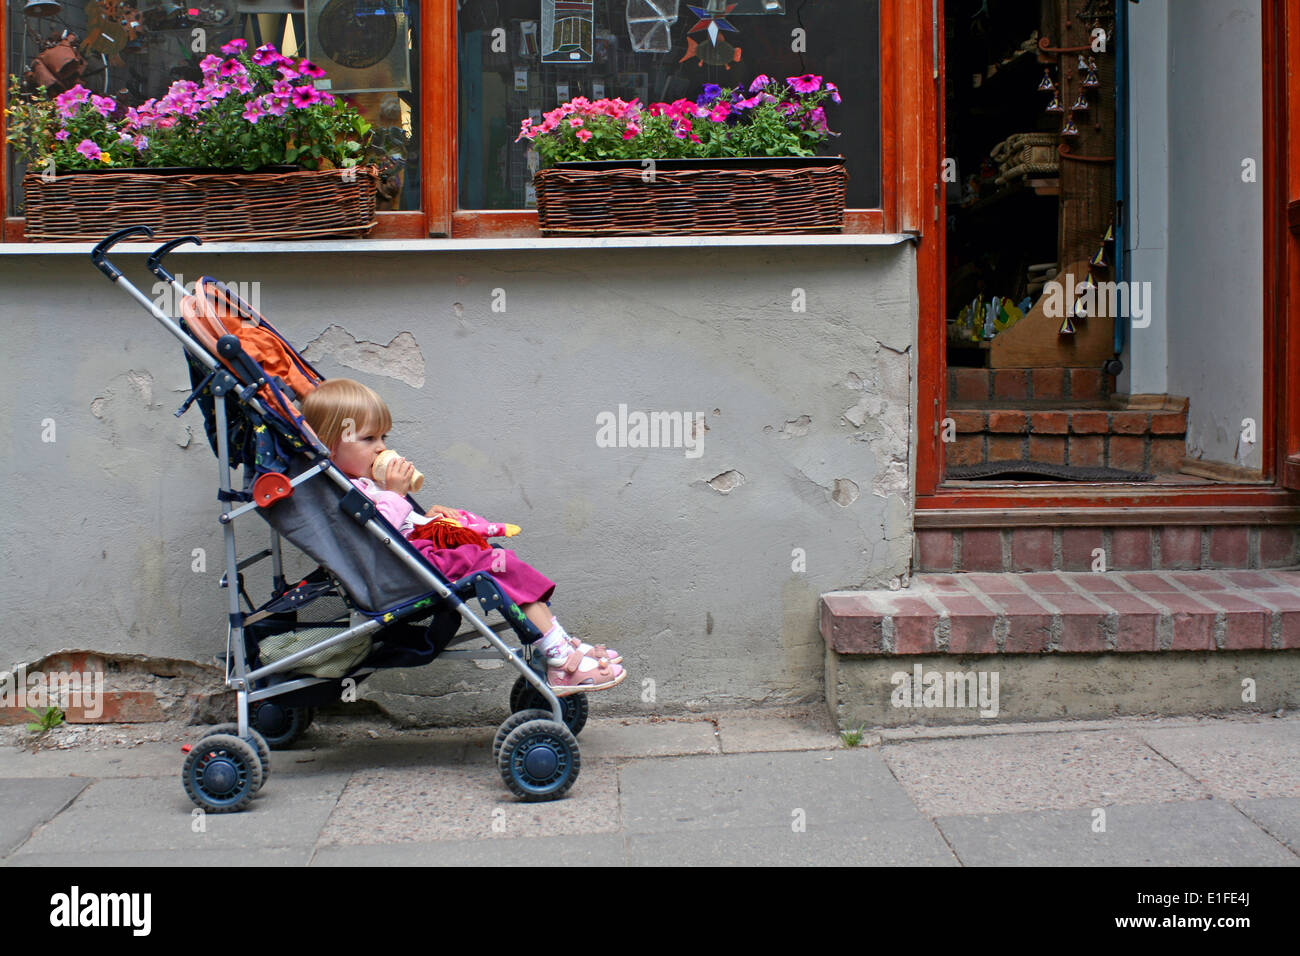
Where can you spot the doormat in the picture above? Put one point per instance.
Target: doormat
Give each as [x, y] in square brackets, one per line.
[1038, 471]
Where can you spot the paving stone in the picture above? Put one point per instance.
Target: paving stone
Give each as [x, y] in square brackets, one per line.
[1256, 760]
[470, 801]
[1280, 819]
[1195, 833]
[148, 814]
[1035, 772]
[27, 803]
[594, 850]
[746, 734]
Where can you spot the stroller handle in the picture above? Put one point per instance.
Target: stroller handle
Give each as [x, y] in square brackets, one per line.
[99, 255]
[155, 260]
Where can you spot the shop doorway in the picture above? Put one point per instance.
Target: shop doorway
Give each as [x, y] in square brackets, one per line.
[1072, 354]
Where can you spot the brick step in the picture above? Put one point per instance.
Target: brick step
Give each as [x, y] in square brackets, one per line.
[1132, 439]
[1121, 548]
[1068, 612]
[984, 384]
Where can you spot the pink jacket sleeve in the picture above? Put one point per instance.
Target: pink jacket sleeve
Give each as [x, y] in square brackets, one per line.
[390, 504]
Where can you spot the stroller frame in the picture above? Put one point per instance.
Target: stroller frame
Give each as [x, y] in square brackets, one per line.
[236, 752]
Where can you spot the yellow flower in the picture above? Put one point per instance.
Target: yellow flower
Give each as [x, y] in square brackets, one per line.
[106, 159]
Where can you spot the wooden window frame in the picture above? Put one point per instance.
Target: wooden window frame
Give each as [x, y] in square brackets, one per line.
[904, 36]
[1280, 429]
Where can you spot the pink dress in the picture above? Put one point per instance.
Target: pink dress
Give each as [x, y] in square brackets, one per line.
[522, 582]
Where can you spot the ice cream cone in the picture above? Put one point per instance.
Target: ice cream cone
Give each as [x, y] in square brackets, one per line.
[380, 470]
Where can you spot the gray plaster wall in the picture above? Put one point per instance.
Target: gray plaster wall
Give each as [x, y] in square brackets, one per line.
[703, 571]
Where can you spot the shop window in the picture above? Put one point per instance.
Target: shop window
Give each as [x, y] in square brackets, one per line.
[522, 58]
[132, 53]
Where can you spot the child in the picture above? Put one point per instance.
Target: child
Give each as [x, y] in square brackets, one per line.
[352, 421]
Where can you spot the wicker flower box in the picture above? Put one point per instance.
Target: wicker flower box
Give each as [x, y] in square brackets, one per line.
[215, 205]
[692, 196]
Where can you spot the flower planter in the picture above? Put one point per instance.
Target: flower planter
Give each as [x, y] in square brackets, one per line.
[692, 196]
[215, 205]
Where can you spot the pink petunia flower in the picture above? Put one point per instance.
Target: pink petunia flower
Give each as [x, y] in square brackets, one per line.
[232, 68]
[243, 84]
[575, 121]
[327, 98]
[305, 96]
[287, 71]
[61, 135]
[235, 46]
[308, 68]
[760, 81]
[253, 111]
[88, 149]
[275, 105]
[141, 143]
[265, 54]
[818, 119]
[209, 64]
[834, 91]
[584, 134]
[720, 112]
[808, 83]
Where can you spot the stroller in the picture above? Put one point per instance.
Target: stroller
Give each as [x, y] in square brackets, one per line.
[373, 602]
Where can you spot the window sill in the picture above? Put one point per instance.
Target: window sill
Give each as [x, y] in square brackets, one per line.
[466, 245]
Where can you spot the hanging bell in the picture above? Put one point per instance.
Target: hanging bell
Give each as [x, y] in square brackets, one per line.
[1046, 83]
[1083, 64]
[1069, 129]
[1081, 103]
[1091, 80]
[1110, 234]
[41, 8]
[1099, 260]
[1067, 327]
[1055, 106]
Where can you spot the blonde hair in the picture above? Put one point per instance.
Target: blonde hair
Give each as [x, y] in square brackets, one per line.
[334, 402]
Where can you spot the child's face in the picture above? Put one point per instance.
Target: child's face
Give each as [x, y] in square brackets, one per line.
[356, 457]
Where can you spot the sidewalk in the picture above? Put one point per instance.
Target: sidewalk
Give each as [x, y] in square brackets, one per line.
[735, 788]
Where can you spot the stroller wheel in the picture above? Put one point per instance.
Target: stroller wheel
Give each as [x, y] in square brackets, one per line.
[256, 739]
[221, 774]
[524, 696]
[513, 721]
[279, 724]
[539, 760]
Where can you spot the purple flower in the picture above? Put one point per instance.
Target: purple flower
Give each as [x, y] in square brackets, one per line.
[209, 64]
[105, 105]
[834, 91]
[760, 81]
[69, 101]
[282, 88]
[234, 46]
[287, 71]
[308, 68]
[305, 96]
[242, 84]
[232, 68]
[327, 99]
[818, 118]
[275, 105]
[711, 92]
[265, 54]
[141, 143]
[88, 149]
[253, 111]
[808, 83]
[61, 135]
[747, 104]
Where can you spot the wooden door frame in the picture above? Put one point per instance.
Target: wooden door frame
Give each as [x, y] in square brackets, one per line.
[1280, 430]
